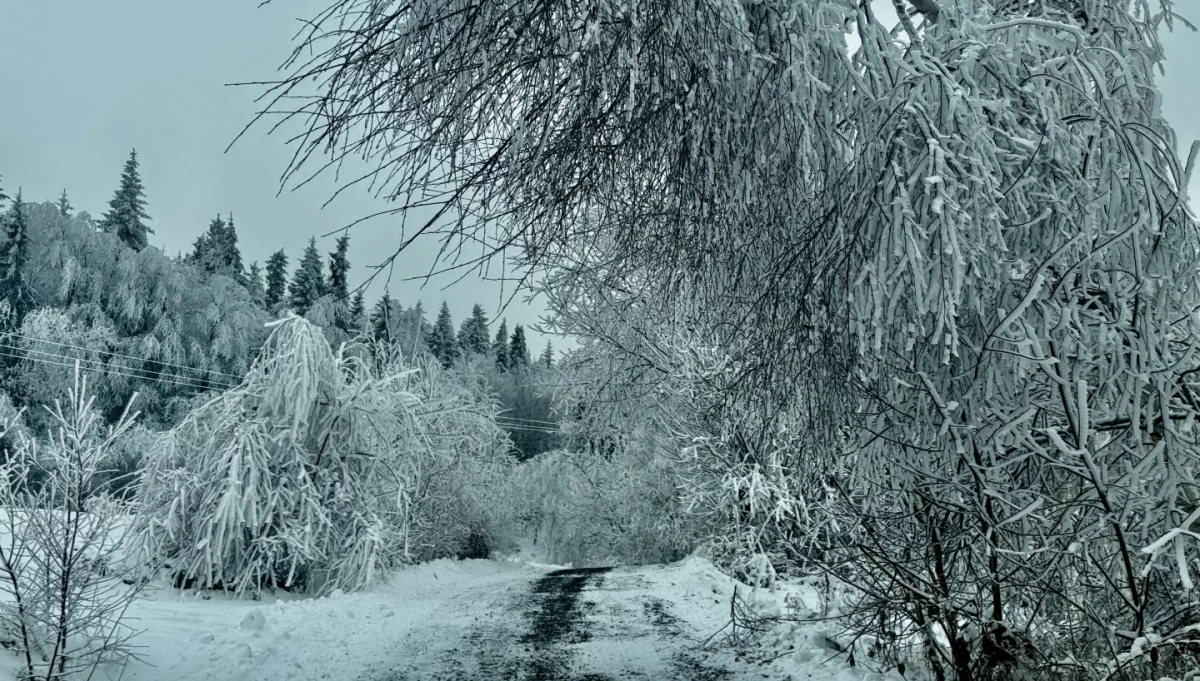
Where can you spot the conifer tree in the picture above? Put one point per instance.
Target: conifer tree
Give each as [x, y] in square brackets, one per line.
[422, 325]
[473, 334]
[3, 196]
[358, 312]
[206, 247]
[308, 283]
[231, 255]
[500, 346]
[518, 350]
[64, 204]
[276, 278]
[199, 254]
[547, 358]
[12, 260]
[442, 342]
[381, 319]
[126, 216]
[339, 268]
[254, 284]
[216, 251]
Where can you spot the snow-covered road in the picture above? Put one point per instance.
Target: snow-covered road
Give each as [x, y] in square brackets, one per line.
[468, 620]
[588, 624]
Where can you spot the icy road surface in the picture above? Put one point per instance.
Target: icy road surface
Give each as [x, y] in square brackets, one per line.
[586, 625]
[468, 620]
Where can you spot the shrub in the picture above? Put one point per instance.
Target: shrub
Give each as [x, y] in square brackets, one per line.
[319, 472]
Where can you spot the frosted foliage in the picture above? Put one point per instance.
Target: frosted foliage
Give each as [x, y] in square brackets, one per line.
[585, 508]
[43, 365]
[315, 473]
[64, 585]
[1025, 336]
[944, 282]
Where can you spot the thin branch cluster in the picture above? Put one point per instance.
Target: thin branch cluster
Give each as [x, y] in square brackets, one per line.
[944, 283]
[321, 471]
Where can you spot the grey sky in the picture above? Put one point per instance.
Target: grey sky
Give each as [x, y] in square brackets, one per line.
[81, 82]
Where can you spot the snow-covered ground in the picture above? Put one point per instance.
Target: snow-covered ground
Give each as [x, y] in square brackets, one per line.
[480, 619]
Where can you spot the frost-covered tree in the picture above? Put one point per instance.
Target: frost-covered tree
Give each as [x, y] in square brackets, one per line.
[64, 204]
[953, 274]
[518, 349]
[358, 311]
[382, 319]
[441, 339]
[170, 330]
[229, 255]
[473, 334]
[547, 357]
[254, 284]
[276, 278]
[14, 256]
[500, 346]
[47, 345]
[338, 289]
[126, 216]
[308, 282]
[339, 270]
[216, 251]
[318, 471]
[63, 576]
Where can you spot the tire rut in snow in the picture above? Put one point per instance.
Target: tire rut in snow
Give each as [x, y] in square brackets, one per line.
[557, 618]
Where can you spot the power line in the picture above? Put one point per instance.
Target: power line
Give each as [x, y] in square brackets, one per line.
[106, 369]
[143, 374]
[19, 353]
[124, 356]
[529, 421]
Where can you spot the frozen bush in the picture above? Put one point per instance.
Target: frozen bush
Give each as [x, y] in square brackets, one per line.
[320, 471]
[61, 557]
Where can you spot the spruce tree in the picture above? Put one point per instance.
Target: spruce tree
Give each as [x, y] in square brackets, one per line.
[547, 358]
[216, 251]
[500, 346]
[308, 283]
[442, 342]
[381, 319]
[12, 261]
[126, 216]
[230, 254]
[3, 196]
[518, 351]
[422, 328]
[199, 254]
[358, 312]
[64, 204]
[254, 284]
[276, 278]
[339, 269]
[206, 248]
[473, 334]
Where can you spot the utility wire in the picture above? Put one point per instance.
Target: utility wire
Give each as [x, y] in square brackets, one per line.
[105, 369]
[17, 352]
[148, 374]
[117, 354]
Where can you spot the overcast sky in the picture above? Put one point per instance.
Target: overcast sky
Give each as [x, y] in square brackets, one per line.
[82, 82]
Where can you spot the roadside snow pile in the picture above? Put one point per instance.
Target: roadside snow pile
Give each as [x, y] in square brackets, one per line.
[702, 595]
[340, 636]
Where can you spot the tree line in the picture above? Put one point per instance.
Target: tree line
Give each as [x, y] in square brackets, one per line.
[171, 328]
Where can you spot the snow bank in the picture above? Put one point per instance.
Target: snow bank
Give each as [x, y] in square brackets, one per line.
[342, 636]
[700, 595]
